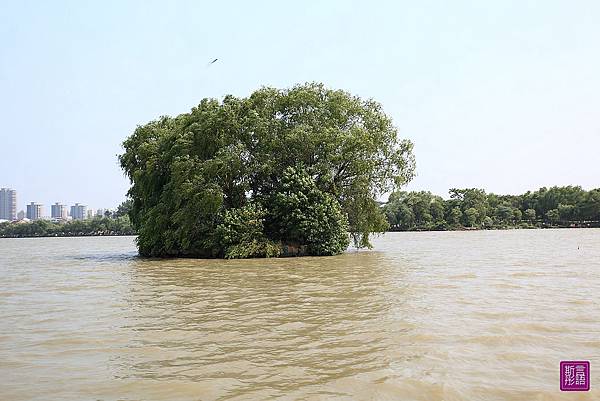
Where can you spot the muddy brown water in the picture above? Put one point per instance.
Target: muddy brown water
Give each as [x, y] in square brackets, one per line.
[422, 316]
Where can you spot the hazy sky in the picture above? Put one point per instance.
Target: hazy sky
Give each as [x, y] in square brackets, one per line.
[499, 95]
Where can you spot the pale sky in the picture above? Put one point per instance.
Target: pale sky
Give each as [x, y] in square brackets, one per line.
[501, 95]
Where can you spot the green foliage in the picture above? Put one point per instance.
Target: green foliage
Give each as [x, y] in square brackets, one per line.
[189, 171]
[300, 213]
[553, 215]
[504, 213]
[470, 198]
[74, 228]
[123, 209]
[254, 249]
[455, 216]
[530, 215]
[242, 234]
[415, 211]
[471, 216]
[473, 208]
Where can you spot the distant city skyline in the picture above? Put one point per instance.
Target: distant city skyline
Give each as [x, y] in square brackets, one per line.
[49, 207]
[495, 95]
[10, 208]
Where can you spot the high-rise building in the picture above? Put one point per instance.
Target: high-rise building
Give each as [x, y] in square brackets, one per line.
[35, 211]
[78, 212]
[59, 211]
[20, 215]
[8, 204]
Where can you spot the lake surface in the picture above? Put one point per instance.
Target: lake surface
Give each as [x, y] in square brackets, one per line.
[423, 316]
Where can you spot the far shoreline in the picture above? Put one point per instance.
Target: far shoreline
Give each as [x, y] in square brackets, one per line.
[594, 225]
[464, 229]
[67, 236]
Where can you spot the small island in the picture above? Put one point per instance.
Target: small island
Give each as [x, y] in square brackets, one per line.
[289, 172]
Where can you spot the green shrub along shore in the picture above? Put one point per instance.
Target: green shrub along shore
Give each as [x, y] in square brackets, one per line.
[76, 228]
[472, 208]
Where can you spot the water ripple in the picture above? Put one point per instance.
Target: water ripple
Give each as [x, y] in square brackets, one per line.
[428, 316]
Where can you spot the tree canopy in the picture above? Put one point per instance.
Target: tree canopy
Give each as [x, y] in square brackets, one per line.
[296, 171]
[473, 208]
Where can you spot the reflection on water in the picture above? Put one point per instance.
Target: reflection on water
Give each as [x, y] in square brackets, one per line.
[424, 316]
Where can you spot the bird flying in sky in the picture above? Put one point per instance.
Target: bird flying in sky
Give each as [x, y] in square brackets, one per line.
[212, 62]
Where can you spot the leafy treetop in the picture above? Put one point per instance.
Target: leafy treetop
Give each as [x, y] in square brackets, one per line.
[304, 164]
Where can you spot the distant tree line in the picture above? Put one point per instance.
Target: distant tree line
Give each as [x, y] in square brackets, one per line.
[113, 223]
[472, 208]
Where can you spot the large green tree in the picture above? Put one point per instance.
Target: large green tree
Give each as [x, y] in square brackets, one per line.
[191, 172]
